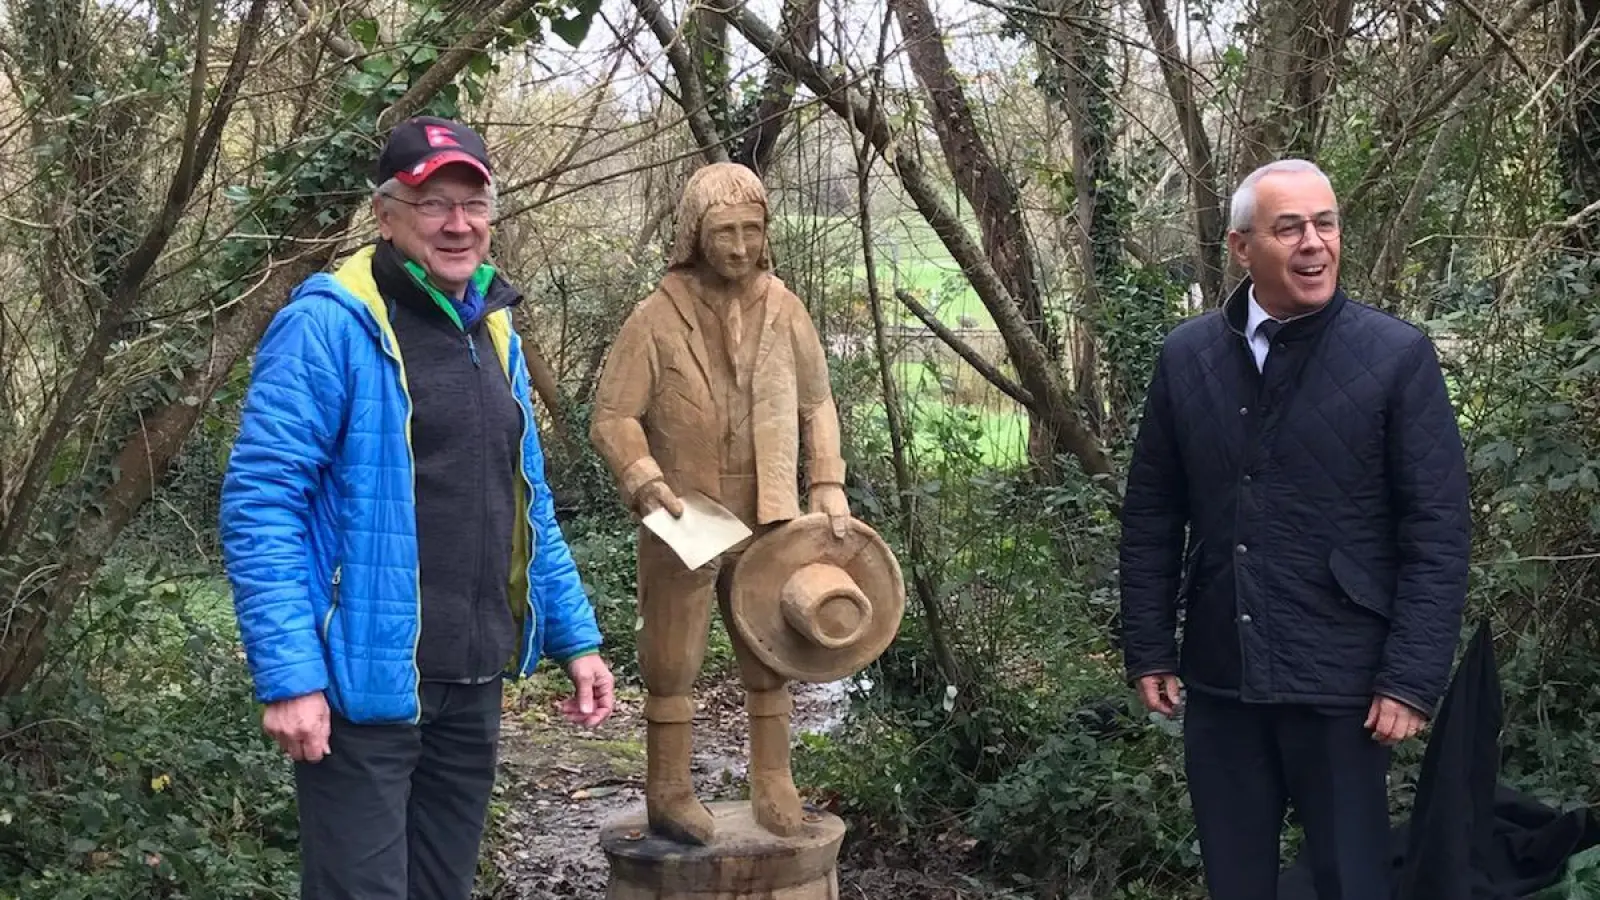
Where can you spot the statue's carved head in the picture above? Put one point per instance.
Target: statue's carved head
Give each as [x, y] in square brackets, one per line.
[717, 214]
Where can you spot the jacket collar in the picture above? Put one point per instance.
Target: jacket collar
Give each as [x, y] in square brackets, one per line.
[1236, 311]
[680, 288]
[398, 285]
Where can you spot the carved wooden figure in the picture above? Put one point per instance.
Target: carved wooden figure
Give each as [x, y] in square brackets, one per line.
[715, 383]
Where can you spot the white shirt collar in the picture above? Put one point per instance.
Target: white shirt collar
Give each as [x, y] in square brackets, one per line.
[1255, 317]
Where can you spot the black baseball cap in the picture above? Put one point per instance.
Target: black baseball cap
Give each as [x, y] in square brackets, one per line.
[421, 146]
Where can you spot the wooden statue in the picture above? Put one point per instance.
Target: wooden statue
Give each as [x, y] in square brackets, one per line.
[715, 383]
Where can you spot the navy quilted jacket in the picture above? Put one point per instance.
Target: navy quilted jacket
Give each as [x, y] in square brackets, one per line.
[1325, 506]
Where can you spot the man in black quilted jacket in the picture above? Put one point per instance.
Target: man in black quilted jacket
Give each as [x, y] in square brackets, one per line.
[1299, 491]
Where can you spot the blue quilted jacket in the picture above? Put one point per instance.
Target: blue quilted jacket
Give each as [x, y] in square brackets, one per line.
[318, 519]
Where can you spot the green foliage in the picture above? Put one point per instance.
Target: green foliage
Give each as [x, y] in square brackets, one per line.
[1040, 757]
[1138, 307]
[1093, 810]
[138, 767]
[1527, 371]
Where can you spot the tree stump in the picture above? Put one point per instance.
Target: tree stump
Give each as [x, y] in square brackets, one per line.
[743, 862]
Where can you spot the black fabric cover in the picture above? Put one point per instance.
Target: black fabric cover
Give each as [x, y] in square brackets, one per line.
[1470, 838]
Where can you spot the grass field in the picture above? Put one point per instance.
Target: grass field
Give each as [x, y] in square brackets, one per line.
[1001, 441]
[998, 432]
[909, 256]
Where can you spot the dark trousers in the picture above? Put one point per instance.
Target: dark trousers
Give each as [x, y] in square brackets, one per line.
[396, 812]
[1246, 763]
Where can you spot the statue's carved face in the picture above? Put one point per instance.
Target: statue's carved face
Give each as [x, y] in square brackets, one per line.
[732, 238]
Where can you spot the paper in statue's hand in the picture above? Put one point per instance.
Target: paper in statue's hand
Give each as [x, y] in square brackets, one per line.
[702, 533]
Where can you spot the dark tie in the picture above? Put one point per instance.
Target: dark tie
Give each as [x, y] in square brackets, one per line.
[1269, 329]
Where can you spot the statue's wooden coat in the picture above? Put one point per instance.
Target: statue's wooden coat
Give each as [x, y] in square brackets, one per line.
[714, 383]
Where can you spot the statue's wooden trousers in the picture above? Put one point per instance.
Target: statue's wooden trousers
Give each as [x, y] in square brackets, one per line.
[675, 604]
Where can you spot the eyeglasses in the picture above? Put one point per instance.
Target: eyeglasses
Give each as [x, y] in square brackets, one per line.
[1291, 230]
[477, 208]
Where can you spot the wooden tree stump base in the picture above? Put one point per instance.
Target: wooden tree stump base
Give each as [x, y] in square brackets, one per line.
[743, 862]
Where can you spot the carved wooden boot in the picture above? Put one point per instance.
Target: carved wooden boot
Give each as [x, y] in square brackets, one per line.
[773, 798]
[670, 804]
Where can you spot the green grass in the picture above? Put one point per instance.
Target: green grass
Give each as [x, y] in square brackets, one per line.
[1002, 432]
[1001, 441]
[909, 256]
[1004, 443]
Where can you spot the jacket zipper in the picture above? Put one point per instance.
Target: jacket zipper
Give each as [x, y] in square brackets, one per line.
[475, 632]
[529, 625]
[333, 604]
[411, 460]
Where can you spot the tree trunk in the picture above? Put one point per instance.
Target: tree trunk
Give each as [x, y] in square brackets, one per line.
[141, 464]
[1210, 223]
[923, 585]
[1394, 249]
[1289, 75]
[46, 577]
[1035, 371]
[692, 96]
[993, 197]
[199, 145]
[1398, 127]
[1075, 50]
[53, 587]
[800, 27]
[981, 181]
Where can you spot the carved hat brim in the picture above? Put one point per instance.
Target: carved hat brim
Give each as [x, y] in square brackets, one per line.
[771, 561]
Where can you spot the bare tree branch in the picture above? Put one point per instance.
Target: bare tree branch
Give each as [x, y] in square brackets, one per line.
[1210, 229]
[1425, 113]
[692, 93]
[1289, 79]
[1496, 35]
[342, 46]
[923, 583]
[1034, 370]
[21, 652]
[1401, 225]
[198, 151]
[799, 25]
[445, 69]
[972, 166]
[966, 351]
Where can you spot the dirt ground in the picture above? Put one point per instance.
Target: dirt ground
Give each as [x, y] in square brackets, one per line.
[559, 786]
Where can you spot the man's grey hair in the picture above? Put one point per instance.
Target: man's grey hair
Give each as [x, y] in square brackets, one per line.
[1244, 198]
[391, 188]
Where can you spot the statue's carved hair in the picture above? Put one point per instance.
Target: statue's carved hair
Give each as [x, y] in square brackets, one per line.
[718, 184]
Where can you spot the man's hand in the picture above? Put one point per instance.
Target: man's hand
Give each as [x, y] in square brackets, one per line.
[300, 725]
[594, 696]
[657, 495]
[829, 498]
[1160, 693]
[1391, 721]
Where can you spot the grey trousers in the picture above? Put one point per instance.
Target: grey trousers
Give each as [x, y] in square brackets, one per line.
[396, 812]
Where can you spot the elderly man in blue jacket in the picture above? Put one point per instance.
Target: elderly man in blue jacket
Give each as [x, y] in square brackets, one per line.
[390, 538]
[1299, 488]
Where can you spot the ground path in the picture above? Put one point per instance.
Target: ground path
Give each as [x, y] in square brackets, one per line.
[558, 787]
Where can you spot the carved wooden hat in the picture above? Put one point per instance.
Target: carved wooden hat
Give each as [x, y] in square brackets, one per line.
[815, 607]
